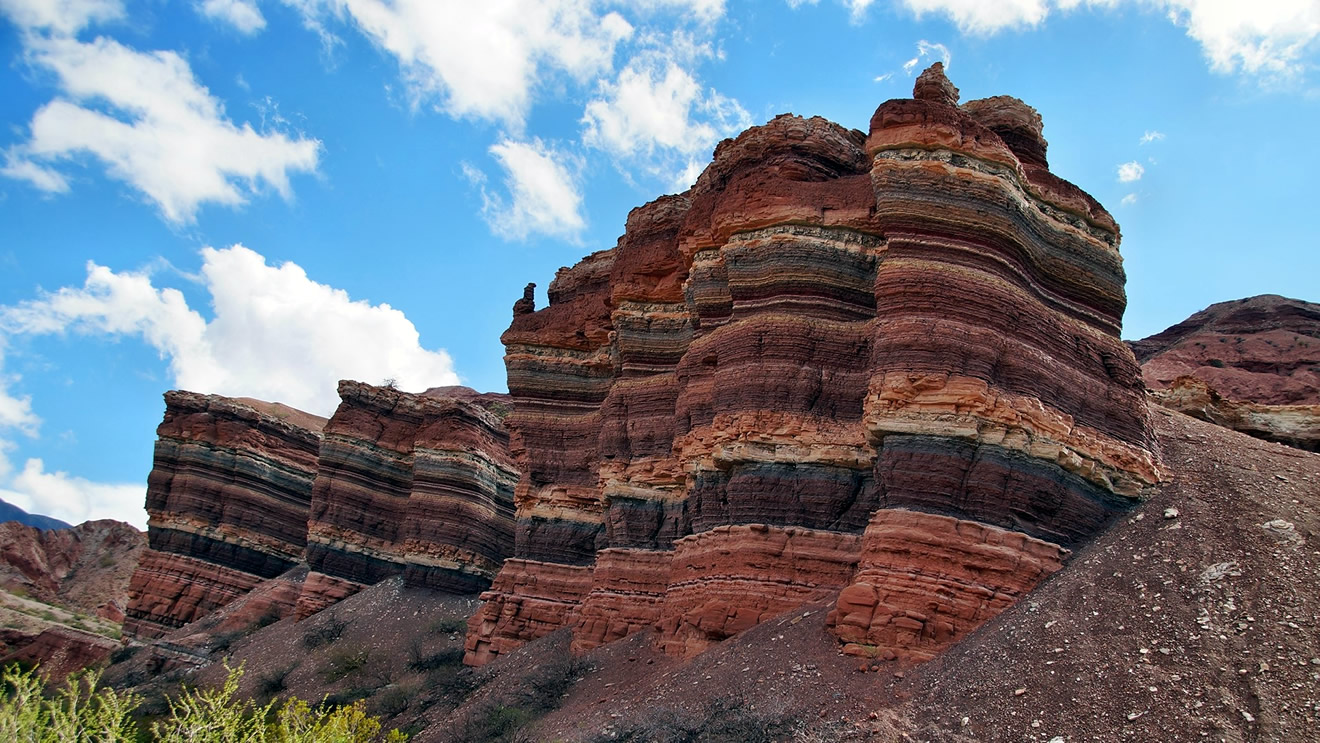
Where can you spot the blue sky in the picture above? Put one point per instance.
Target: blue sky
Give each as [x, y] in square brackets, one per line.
[260, 197]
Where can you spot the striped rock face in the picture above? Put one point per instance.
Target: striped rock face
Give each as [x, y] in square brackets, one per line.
[883, 362]
[228, 498]
[418, 484]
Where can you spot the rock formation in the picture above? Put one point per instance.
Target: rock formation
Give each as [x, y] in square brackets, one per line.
[85, 567]
[884, 362]
[1252, 365]
[227, 498]
[418, 484]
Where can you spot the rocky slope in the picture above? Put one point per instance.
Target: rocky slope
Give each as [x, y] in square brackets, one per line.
[1252, 365]
[885, 361]
[85, 567]
[228, 498]
[419, 485]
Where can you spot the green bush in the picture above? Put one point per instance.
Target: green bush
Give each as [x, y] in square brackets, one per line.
[80, 712]
[344, 663]
[76, 712]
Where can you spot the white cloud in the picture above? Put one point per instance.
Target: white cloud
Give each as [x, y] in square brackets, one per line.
[60, 16]
[276, 334]
[169, 137]
[1130, 171]
[657, 117]
[243, 15]
[981, 17]
[74, 499]
[1130, 199]
[15, 412]
[928, 50]
[705, 11]
[1151, 136]
[1263, 39]
[543, 192]
[1267, 39]
[483, 59]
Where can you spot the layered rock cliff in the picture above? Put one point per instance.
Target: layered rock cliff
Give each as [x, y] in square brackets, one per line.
[418, 484]
[1252, 365]
[885, 362]
[227, 499]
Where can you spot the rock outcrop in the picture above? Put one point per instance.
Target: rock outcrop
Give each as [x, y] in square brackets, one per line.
[418, 484]
[84, 568]
[228, 498]
[884, 362]
[1252, 365]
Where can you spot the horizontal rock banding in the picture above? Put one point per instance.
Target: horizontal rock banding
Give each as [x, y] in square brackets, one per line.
[418, 484]
[228, 499]
[832, 331]
[925, 580]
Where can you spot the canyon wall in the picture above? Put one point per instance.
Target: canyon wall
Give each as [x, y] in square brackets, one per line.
[884, 362]
[418, 484]
[227, 499]
[243, 491]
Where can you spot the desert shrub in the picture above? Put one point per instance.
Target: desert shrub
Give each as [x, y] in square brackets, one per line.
[390, 702]
[542, 691]
[271, 616]
[74, 713]
[275, 681]
[218, 716]
[722, 720]
[1216, 363]
[124, 653]
[325, 632]
[448, 626]
[421, 661]
[222, 642]
[344, 663]
[345, 698]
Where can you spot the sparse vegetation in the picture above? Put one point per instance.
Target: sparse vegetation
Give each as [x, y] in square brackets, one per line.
[418, 660]
[274, 682]
[723, 720]
[1216, 363]
[344, 663]
[448, 626]
[325, 632]
[79, 711]
[501, 720]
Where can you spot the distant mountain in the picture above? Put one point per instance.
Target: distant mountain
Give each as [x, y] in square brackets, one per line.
[11, 512]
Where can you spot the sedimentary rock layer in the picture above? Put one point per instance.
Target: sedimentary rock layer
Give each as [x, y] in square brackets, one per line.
[227, 497]
[829, 326]
[418, 484]
[924, 580]
[1252, 365]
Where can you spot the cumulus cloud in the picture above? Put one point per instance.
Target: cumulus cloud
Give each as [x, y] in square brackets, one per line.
[1261, 39]
[483, 59]
[1151, 136]
[543, 193]
[74, 499]
[1130, 171]
[657, 115]
[63, 17]
[147, 119]
[243, 15]
[276, 334]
